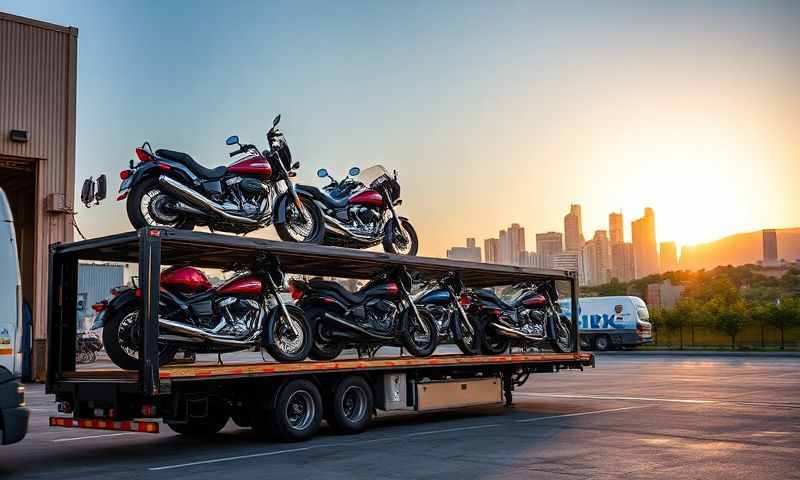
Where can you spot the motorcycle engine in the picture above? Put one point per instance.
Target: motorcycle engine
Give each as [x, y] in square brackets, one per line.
[237, 316]
[365, 220]
[245, 195]
[381, 314]
[531, 322]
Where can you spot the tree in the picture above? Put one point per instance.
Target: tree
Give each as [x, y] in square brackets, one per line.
[786, 314]
[763, 313]
[728, 317]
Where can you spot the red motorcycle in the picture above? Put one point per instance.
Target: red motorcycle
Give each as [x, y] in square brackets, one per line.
[194, 317]
[357, 213]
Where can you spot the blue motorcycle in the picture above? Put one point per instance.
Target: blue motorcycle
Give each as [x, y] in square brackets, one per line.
[446, 302]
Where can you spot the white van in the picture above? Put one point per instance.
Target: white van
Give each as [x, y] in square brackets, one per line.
[13, 414]
[607, 322]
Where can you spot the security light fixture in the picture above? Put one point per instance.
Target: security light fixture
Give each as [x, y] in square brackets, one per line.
[19, 136]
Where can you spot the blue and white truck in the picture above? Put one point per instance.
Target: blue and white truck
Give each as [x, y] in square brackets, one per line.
[13, 414]
[612, 322]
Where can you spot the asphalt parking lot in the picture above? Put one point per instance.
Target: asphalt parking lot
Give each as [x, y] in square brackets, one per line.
[634, 416]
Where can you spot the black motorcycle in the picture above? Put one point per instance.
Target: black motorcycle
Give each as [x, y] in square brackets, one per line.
[380, 313]
[243, 313]
[445, 300]
[528, 314]
[357, 213]
[169, 188]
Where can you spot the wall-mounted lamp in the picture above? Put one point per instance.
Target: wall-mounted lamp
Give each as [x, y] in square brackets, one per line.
[20, 136]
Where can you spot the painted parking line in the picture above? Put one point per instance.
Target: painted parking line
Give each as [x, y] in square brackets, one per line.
[383, 439]
[89, 437]
[614, 397]
[595, 412]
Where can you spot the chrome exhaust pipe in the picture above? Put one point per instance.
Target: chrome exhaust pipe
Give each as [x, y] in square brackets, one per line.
[339, 229]
[511, 332]
[185, 193]
[342, 321]
[194, 332]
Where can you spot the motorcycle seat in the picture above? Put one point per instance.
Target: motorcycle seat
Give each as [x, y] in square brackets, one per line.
[199, 170]
[338, 290]
[488, 294]
[317, 194]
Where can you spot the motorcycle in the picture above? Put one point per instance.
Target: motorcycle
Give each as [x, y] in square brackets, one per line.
[246, 312]
[169, 188]
[357, 214]
[532, 317]
[87, 346]
[445, 301]
[380, 313]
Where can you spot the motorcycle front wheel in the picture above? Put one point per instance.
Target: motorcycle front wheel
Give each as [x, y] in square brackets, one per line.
[467, 337]
[122, 337]
[400, 240]
[308, 227]
[147, 206]
[419, 335]
[288, 340]
[562, 340]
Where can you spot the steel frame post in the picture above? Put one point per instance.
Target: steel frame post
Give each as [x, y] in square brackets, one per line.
[573, 282]
[149, 283]
[62, 327]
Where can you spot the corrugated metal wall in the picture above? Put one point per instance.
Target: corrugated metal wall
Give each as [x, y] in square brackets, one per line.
[38, 63]
[95, 282]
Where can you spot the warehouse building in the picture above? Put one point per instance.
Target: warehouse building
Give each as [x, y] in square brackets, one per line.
[38, 63]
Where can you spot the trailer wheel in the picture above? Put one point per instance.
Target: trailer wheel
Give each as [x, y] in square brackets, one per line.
[351, 406]
[298, 411]
[602, 343]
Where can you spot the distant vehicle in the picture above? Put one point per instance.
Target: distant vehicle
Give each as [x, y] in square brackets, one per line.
[13, 414]
[609, 322]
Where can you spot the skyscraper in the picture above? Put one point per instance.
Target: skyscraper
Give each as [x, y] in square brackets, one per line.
[504, 255]
[769, 242]
[602, 267]
[622, 264]
[589, 260]
[668, 252]
[470, 252]
[516, 243]
[645, 251]
[571, 262]
[616, 232]
[491, 250]
[549, 243]
[573, 229]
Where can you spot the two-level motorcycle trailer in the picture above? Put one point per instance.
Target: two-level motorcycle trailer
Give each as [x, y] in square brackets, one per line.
[286, 399]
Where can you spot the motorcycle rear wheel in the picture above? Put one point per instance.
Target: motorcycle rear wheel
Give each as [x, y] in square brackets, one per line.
[120, 351]
[321, 350]
[145, 207]
[492, 343]
[469, 344]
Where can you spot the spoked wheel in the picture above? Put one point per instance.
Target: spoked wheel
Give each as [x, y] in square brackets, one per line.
[563, 334]
[420, 335]
[467, 334]
[122, 338]
[400, 239]
[288, 339]
[491, 342]
[303, 224]
[149, 206]
[352, 405]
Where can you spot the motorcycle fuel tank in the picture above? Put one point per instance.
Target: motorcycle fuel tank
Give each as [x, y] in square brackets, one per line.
[242, 285]
[185, 279]
[536, 300]
[439, 296]
[370, 198]
[252, 165]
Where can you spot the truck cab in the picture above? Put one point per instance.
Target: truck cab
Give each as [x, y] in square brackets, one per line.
[609, 322]
[13, 414]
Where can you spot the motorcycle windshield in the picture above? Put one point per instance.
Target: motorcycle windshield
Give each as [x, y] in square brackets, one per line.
[369, 175]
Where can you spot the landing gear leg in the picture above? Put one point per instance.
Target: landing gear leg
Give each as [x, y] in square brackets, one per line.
[508, 388]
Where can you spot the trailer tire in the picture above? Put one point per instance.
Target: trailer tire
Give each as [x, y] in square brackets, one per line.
[298, 411]
[350, 409]
[602, 343]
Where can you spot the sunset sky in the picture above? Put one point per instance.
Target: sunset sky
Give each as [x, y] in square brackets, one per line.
[492, 112]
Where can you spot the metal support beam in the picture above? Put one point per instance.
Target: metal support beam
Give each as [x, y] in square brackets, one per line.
[574, 290]
[149, 283]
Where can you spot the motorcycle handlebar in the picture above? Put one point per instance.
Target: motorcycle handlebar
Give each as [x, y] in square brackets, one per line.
[236, 152]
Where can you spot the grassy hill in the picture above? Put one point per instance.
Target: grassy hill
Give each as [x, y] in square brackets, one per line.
[739, 249]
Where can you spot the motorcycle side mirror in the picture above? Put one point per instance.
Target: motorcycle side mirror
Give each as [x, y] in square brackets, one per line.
[276, 120]
[322, 173]
[101, 189]
[354, 172]
[87, 192]
[295, 165]
[232, 140]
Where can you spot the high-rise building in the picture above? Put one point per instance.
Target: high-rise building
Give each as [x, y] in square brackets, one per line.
[491, 250]
[504, 255]
[645, 251]
[573, 229]
[470, 252]
[571, 262]
[516, 243]
[602, 257]
[589, 261]
[668, 252]
[549, 243]
[616, 232]
[769, 241]
[533, 259]
[622, 263]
